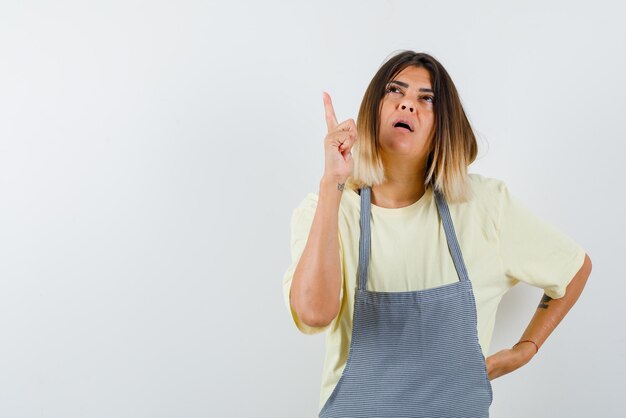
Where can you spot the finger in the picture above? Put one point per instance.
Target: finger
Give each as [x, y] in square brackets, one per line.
[347, 144]
[331, 119]
[346, 125]
[341, 137]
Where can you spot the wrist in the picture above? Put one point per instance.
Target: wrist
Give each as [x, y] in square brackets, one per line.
[333, 182]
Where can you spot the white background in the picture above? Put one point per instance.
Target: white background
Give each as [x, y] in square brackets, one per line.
[151, 154]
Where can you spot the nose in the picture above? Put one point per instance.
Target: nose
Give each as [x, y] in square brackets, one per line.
[406, 103]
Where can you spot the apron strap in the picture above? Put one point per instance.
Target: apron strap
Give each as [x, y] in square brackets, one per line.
[365, 236]
[364, 239]
[453, 244]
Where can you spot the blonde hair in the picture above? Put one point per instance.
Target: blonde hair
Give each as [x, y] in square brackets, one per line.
[453, 146]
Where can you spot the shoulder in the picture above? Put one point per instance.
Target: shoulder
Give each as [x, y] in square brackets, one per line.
[486, 186]
[487, 191]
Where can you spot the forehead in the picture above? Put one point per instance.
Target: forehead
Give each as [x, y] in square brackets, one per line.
[414, 76]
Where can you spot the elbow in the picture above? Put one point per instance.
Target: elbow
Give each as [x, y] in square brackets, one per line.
[578, 282]
[314, 319]
[586, 267]
[314, 302]
[315, 316]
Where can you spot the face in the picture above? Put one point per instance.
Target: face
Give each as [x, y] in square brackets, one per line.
[407, 115]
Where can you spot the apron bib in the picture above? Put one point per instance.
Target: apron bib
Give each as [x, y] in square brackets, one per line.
[413, 354]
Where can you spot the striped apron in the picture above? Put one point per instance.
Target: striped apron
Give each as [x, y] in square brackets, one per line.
[416, 353]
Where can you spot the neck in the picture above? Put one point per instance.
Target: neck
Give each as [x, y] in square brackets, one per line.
[403, 186]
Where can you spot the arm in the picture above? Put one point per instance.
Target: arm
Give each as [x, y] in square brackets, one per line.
[316, 284]
[548, 315]
[315, 292]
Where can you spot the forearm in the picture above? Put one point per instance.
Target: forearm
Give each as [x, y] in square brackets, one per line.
[548, 315]
[550, 312]
[316, 284]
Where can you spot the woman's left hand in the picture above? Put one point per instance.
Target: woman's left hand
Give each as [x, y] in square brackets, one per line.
[507, 360]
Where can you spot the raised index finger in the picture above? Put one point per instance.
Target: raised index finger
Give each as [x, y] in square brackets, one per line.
[331, 119]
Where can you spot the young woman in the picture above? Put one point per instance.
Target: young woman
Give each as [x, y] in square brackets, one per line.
[403, 256]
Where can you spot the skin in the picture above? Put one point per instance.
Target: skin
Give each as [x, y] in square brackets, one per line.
[404, 157]
[404, 153]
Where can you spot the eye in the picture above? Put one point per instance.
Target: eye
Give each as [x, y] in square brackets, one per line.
[392, 89]
[429, 99]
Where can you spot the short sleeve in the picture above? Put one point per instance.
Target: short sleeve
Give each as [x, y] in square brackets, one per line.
[533, 251]
[301, 221]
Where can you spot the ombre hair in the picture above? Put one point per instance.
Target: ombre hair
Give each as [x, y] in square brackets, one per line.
[453, 146]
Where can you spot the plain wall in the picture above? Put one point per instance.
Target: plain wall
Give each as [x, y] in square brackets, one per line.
[152, 152]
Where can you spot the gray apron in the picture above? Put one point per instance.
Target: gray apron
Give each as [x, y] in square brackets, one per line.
[416, 353]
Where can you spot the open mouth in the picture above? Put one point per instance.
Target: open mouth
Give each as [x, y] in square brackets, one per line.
[403, 125]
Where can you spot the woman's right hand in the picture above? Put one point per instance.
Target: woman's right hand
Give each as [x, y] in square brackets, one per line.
[338, 144]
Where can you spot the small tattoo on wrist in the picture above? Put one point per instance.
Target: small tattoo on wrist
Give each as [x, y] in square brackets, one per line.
[544, 302]
[340, 186]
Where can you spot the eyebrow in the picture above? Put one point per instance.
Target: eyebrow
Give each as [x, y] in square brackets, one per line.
[403, 84]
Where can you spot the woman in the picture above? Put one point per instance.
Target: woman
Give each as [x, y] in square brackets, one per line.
[403, 257]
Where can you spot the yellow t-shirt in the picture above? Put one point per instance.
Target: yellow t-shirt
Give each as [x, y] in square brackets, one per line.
[501, 240]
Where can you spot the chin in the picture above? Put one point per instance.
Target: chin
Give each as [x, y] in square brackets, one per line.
[399, 146]
[399, 149]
